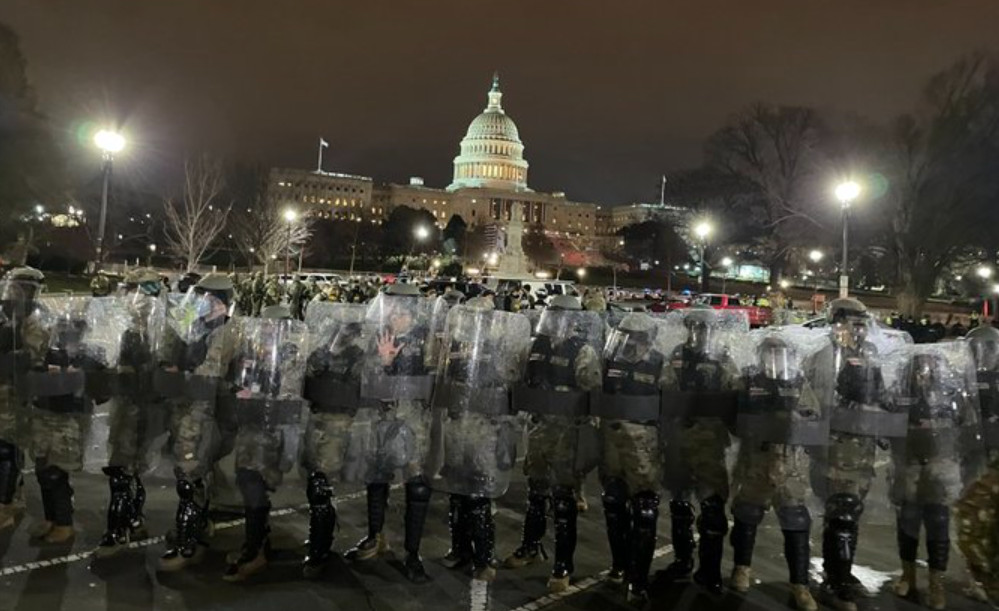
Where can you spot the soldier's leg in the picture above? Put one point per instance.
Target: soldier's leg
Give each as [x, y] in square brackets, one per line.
[746, 520]
[124, 511]
[322, 523]
[10, 483]
[257, 506]
[756, 468]
[57, 499]
[460, 525]
[483, 536]
[712, 525]
[908, 523]
[708, 463]
[936, 518]
[119, 512]
[618, 515]
[57, 441]
[565, 512]
[678, 480]
[374, 544]
[535, 524]
[645, 508]
[795, 522]
[839, 542]
[417, 505]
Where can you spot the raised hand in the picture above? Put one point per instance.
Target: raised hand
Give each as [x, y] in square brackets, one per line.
[387, 348]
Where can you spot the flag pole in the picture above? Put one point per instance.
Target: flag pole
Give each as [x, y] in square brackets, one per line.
[319, 166]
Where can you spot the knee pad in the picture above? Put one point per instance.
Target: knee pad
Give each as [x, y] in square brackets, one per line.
[681, 509]
[615, 493]
[563, 500]
[795, 518]
[51, 477]
[713, 520]
[253, 488]
[118, 480]
[937, 521]
[418, 491]
[844, 508]
[317, 489]
[646, 507]
[748, 513]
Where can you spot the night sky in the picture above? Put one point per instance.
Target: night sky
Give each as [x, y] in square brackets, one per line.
[607, 95]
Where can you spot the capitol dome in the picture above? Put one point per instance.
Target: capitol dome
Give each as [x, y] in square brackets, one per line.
[492, 155]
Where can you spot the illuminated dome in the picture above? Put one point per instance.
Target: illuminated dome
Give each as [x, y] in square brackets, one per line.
[492, 155]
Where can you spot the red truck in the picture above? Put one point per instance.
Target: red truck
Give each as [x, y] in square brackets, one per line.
[758, 316]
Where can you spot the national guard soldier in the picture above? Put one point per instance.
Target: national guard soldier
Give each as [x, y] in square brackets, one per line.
[563, 368]
[100, 285]
[485, 353]
[332, 387]
[631, 466]
[398, 372]
[23, 344]
[296, 298]
[935, 387]
[700, 396]
[263, 398]
[859, 416]
[273, 292]
[60, 414]
[779, 417]
[192, 347]
[984, 343]
[130, 419]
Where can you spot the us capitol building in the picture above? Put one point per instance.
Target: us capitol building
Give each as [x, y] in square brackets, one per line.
[490, 178]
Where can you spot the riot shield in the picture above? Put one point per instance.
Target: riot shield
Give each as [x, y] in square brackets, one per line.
[189, 342]
[707, 350]
[779, 404]
[563, 365]
[22, 346]
[263, 394]
[984, 344]
[634, 357]
[484, 357]
[934, 386]
[60, 385]
[533, 316]
[398, 365]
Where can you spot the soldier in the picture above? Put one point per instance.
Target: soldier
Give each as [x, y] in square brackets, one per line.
[332, 386]
[296, 298]
[264, 387]
[631, 467]
[258, 290]
[859, 416]
[484, 358]
[273, 292]
[984, 343]
[398, 373]
[191, 354]
[100, 285]
[22, 347]
[311, 290]
[129, 414]
[933, 389]
[700, 395]
[563, 367]
[779, 417]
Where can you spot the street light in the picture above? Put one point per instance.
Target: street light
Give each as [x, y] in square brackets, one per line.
[984, 272]
[703, 230]
[290, 216]
[727, 264]
[152, 253]
[581, 272]
[846, 193]
[422, 233]
[815, 256]
[109, 142]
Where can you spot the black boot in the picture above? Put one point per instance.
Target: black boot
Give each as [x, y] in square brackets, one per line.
[617, 514]
[681, 527]
[10, 472]
[797, 553]
[138, 525]
[643, 545]
[322, 524]
[57, 499]
[191, 525]
[837, 562]
[712, 526]
[417, 506]
[459, 523]
[535, 524]
[119, 515]
[566, 511]
[483, 537]
[374, 544]
[253, 557]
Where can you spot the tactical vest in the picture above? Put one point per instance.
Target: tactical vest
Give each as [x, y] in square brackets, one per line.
[859, 379]
[698, 372]
[639, 379]
[550, 367]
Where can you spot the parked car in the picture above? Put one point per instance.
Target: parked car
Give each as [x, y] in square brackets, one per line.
[758, 316]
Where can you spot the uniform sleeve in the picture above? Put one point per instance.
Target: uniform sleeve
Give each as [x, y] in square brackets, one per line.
[588, 373]
[36, 340]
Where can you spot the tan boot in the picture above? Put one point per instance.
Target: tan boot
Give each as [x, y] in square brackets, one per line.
[174, 561]
[936, 597]
[558, 584]
[241, 571]
[905, 585]
[10, 513]
[487, 574]
[59, 535]
[803, 600]
[742, 578]
[581, 505]
[39, 530]
[368, 548]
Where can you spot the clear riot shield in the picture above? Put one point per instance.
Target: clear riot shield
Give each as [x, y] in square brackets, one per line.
[934, 386]
[262, 397]
[22, 346]
[707, 350]
[780, 404]
[634, 357]
[189, 342]
[984, 345]
[563, 365]
[533, 316]
[483, 358]
[60, 384]
[336, 442]
[398, 364]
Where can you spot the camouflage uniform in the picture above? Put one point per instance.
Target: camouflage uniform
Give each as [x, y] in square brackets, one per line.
[563, 367]
[978, 530]
[631, 464]
[258, 290]
[273, 293]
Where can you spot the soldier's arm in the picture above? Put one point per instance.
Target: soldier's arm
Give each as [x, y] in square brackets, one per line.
[588, 373]
[36, 339]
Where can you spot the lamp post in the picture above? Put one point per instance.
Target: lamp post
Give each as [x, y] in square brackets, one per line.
[703, 230]
[846, 193]
[152, 253]
[290, 216]
[727, 264]
[109, 142]
[984, 272]
[419, 234]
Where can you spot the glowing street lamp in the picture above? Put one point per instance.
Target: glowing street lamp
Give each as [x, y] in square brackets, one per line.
[984, 272]
[846, 192]
[703, 231]
[581, 272]
[422, 233]
[727, 264]
[109, 142]
[815, 256]
[152, 253]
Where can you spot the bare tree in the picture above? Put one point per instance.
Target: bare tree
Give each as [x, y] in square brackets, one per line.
[194, 223]
[258, 224]
[772, 151]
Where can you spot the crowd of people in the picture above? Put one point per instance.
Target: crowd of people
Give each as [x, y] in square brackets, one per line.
[381, 383]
